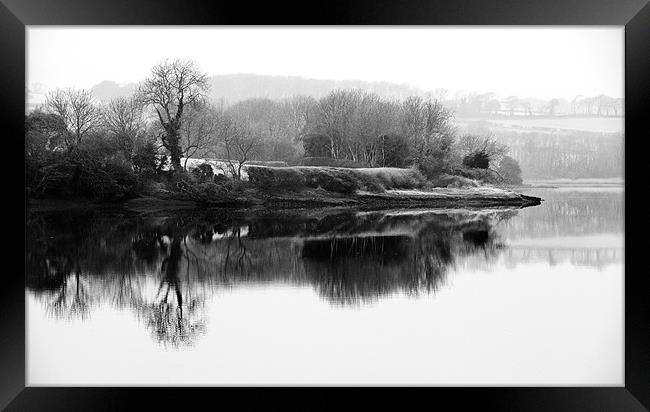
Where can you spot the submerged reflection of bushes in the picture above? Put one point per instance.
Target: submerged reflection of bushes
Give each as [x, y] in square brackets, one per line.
[164, 268]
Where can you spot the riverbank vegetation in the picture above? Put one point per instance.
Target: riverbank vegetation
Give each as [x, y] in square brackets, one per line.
[164, 141]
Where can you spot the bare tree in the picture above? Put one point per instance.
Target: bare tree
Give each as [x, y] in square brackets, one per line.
[427, 125]
[413, 118]
[301, 112]
[237, 142]
[265, 119]
[77, 109]
[374, 118]
[172, 86]
[334, 114]
[123, 118]
[198, 131]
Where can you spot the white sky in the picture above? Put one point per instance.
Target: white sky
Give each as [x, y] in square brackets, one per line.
[526, 61]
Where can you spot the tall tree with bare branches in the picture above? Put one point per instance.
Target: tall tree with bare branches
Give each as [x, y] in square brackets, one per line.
[124, 119]
[237, 141]
[77, 109]
[198, 130]
[172, 86]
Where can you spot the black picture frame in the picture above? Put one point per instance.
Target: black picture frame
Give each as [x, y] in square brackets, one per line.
[634, 14]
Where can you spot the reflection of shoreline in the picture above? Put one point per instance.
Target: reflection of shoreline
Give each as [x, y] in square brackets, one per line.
[77, 261]
[569, 214]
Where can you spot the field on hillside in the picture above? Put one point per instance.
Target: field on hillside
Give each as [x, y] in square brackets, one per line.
[600, 182]
[587, 124]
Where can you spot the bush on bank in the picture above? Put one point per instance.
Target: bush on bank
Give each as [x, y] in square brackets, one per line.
[80, 175]
[337, 180]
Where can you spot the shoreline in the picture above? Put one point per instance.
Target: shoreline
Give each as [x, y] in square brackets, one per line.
[439, 198]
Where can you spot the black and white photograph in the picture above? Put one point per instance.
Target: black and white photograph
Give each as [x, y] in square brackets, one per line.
[337, 206]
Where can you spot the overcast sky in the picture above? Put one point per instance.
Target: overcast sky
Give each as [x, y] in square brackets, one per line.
[540, 62]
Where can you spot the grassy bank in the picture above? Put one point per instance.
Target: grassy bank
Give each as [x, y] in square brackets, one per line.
[314, 186]
[334, 179]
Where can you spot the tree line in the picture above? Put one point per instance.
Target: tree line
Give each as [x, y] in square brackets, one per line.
[489, 104]
[169, 119]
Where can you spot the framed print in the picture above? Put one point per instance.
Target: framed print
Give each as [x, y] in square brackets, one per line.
[236, 198]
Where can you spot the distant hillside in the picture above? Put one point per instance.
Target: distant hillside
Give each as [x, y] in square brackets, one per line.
[108, 90]
[236, 87]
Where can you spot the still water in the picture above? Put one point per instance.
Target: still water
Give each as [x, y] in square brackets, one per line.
[528, 296]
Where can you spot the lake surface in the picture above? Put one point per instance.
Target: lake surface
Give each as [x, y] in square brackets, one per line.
[528, 296]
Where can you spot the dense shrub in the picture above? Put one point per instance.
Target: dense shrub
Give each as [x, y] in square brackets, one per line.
[446, 180]
[207, 191]
[220, 179]
[110, 182]
[103, 147]
[268, 178]
[49, 176]
[331, 179]
[43, 132]
[510, 171]
[203, 172]
[435, 156]
[477, 160]
[316, 145]
[146, 160]
[394, 178]
[396, 151]
[80, 174]
[179, 180]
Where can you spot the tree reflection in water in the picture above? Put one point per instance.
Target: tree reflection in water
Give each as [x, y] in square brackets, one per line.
[171, 319]
[163, 268]
[72, 299]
